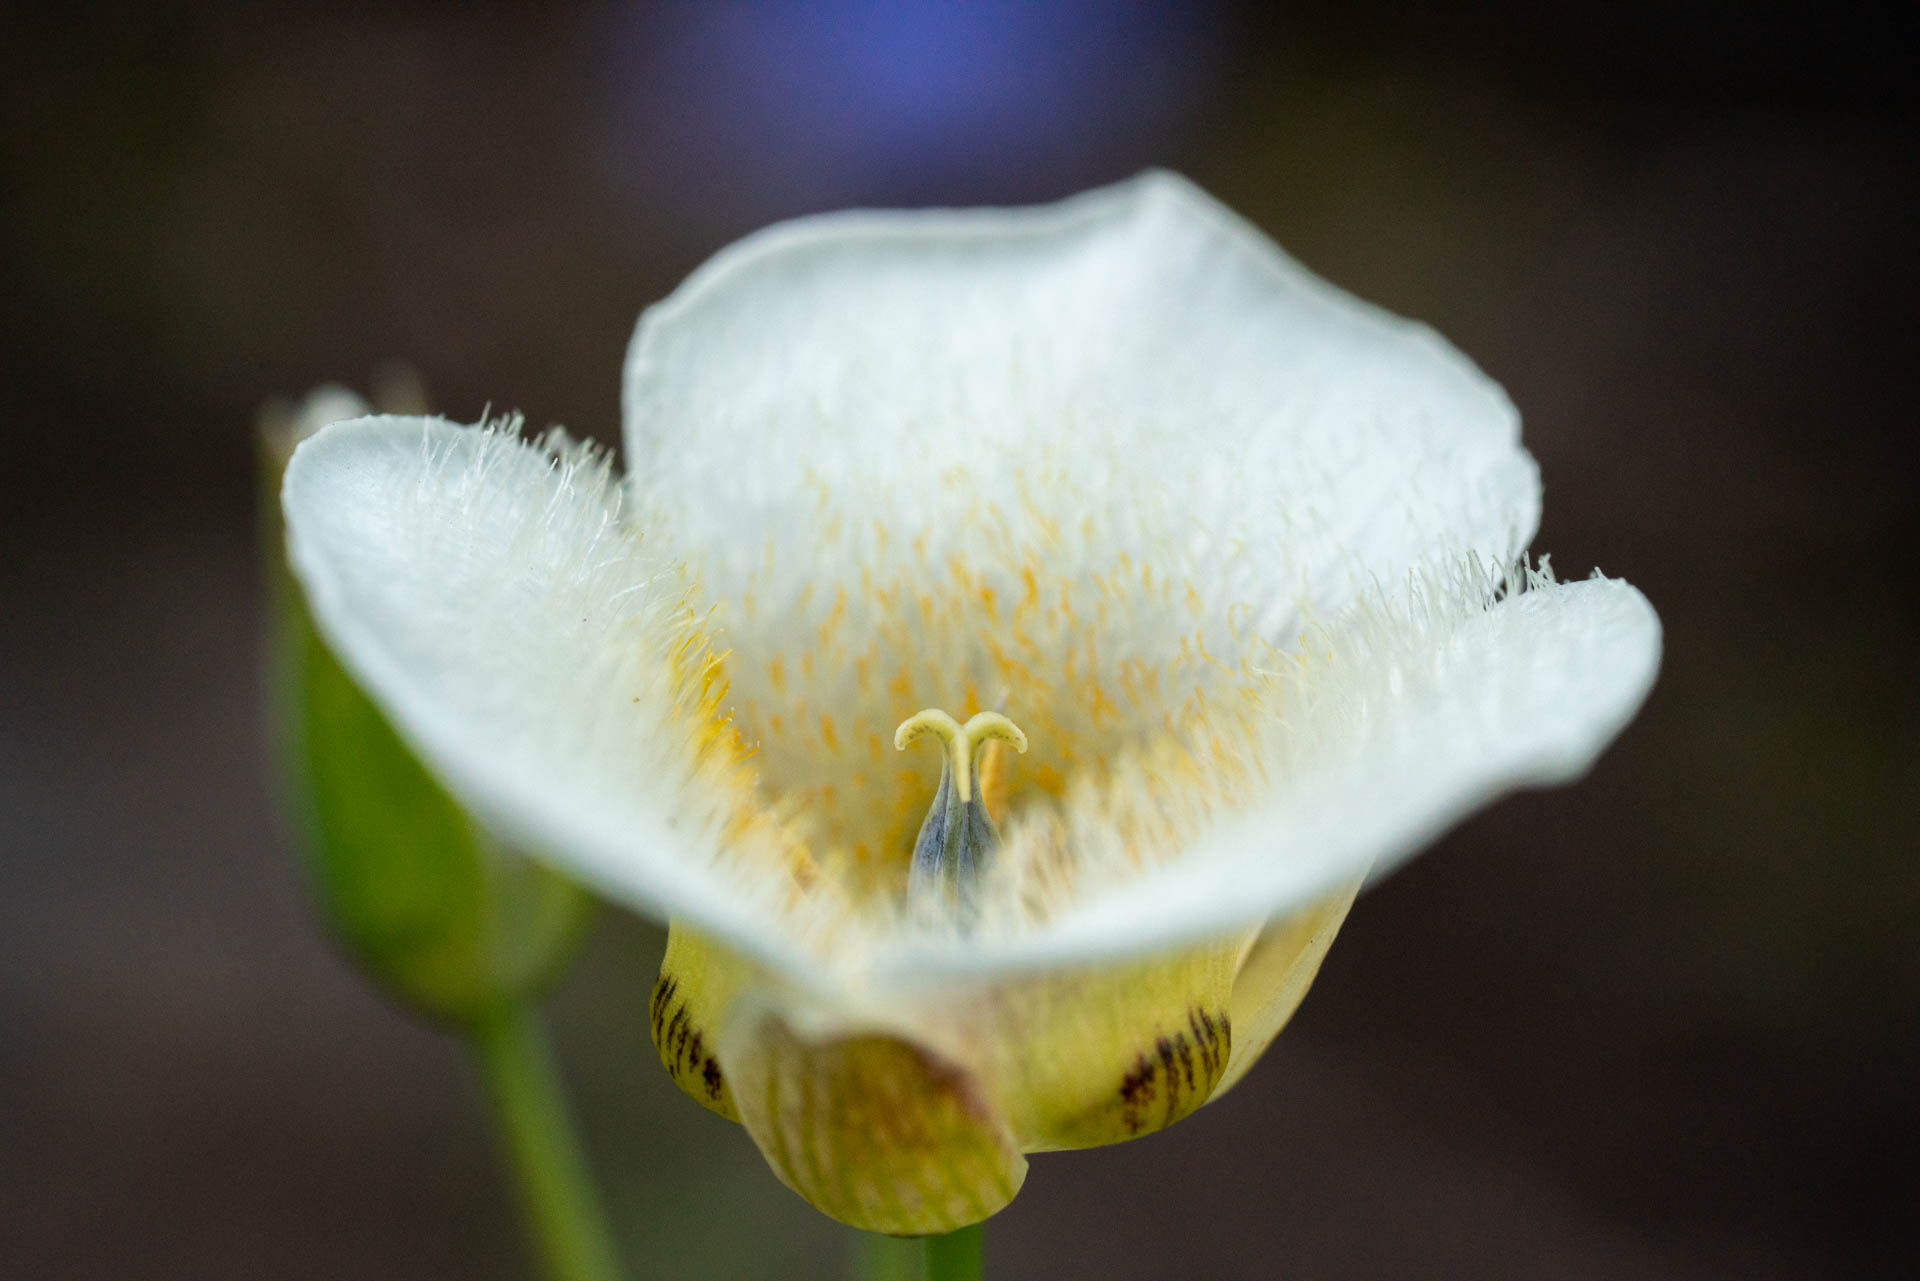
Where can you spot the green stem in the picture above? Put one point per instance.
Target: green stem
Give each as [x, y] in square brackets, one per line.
[885, 1258]
[562, 1208]
[958, 1256]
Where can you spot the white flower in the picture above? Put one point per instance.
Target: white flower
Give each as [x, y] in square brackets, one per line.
[1240, 554]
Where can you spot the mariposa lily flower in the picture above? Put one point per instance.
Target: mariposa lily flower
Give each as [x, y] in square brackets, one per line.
[1017, 636]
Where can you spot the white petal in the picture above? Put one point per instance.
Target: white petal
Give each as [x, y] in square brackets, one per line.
[485, 593]
[1400, 724]
[1136, 349]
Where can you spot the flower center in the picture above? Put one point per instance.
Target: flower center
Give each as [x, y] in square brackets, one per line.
[1136, 686]
[958, 835]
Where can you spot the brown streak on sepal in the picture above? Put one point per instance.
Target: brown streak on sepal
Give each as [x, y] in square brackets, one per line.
[682, 1044]
[1136, 1092]
[675, 1039]
[1168, 1081]
[1165, 1050]
[1207, 1037]
[663, 991]
[1109, 1053]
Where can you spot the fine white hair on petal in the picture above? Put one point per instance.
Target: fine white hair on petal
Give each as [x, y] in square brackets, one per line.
[1213, 531]
[534, 652]
[1394, 721]
[826, 393]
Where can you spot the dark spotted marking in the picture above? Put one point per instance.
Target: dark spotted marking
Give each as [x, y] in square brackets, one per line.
[682, 1045]
[1172, 1062]
[1210, 1035]
[663, 992]
[1201, 1047]
[1207, 1037]
[1136, 1092]
[675, 1025]
[1165, 1049]
[1137, 1085]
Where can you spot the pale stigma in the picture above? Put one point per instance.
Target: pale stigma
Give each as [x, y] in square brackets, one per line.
[958, 837]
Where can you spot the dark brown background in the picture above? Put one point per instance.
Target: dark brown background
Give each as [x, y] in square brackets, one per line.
[1662, 1024]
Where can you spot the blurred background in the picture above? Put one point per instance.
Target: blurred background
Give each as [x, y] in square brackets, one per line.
[1661, 1024]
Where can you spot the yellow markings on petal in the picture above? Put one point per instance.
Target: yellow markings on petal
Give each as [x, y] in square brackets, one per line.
[752, 828]
[1031, 583]
[961, 741]
[1126, 673]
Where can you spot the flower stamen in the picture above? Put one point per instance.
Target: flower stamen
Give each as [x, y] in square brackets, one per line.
[957, 836]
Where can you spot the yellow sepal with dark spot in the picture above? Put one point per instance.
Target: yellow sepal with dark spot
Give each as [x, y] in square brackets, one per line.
[910, 1114]
[699, 981]
[1108, 1053]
